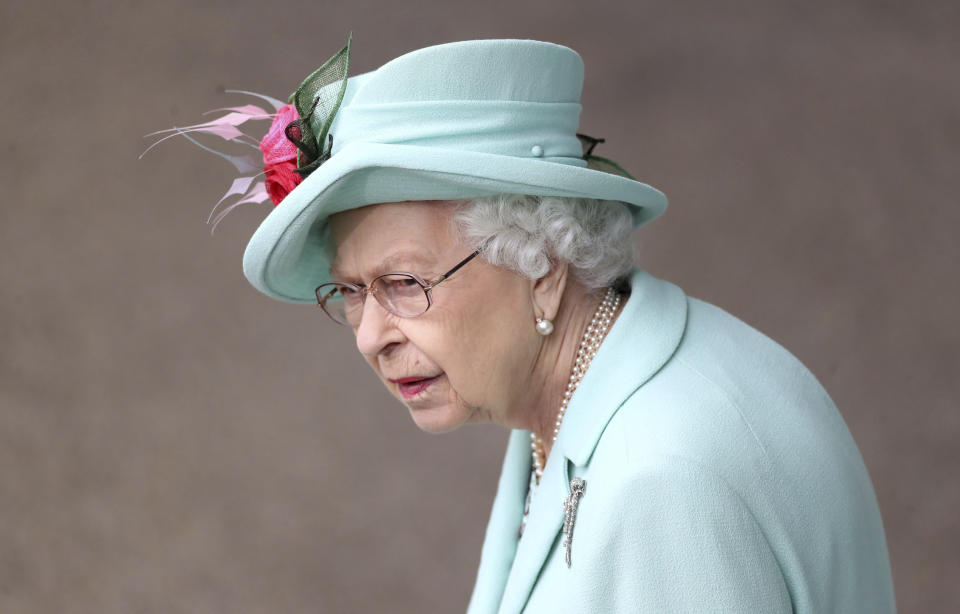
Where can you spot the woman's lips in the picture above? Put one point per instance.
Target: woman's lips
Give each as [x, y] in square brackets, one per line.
[412, 386]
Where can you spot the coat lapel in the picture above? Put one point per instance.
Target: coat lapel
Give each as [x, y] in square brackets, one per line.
[500, 543]
[543, 527]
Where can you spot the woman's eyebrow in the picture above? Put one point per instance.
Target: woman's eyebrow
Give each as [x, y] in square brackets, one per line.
[396, 261]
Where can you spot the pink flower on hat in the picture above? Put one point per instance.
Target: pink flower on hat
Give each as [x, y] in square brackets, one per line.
[281, 179]
[279, 167]
[280, 156]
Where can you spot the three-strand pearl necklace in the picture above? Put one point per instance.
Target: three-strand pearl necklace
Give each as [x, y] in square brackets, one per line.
[592, 338]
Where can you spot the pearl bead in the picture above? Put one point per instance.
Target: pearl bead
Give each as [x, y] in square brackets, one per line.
[544, 327]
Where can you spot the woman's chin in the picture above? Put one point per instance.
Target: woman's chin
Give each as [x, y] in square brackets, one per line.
[431, 407]
[438, 418]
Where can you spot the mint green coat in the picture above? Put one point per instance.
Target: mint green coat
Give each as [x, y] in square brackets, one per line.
[719, 478]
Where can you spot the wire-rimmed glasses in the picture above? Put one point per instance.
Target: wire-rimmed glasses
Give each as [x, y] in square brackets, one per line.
[406, 295]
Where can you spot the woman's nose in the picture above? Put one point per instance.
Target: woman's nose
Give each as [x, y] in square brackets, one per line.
[376, 330]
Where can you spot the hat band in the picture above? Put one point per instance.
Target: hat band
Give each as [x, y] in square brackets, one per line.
[544, 130]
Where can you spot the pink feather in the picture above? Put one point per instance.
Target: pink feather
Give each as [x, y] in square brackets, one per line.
[257, 194]
[252, 110]
[240, 185]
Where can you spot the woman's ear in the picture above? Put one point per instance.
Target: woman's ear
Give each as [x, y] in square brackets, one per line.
[548, 290]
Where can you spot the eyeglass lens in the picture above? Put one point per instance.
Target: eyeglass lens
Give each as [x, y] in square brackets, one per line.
[399, 294]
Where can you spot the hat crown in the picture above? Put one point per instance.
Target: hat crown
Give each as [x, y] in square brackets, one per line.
[506, 97]
[497, 69]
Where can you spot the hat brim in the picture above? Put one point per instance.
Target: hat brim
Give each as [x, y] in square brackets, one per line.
[285, 258]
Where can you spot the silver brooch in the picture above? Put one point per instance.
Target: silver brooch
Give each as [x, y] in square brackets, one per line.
[577, 487]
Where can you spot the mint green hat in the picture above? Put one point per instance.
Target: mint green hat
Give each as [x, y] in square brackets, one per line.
[452, 121]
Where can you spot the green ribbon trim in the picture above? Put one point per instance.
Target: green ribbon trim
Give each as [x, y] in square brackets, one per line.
[599, 163]
[615, 168]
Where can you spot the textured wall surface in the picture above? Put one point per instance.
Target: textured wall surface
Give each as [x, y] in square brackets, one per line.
[171, 441]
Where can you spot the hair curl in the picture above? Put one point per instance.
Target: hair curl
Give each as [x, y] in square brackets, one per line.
[527, 233]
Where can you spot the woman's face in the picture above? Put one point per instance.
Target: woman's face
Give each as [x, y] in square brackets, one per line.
[469, 358]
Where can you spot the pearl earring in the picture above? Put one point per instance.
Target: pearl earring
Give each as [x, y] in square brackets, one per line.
[544, 327]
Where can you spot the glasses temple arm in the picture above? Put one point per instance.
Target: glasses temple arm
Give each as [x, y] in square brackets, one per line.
[456, 268]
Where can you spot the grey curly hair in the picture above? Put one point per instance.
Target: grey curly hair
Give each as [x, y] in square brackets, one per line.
[526, 233]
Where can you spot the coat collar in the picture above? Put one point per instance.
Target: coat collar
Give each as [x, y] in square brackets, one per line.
[640, 342]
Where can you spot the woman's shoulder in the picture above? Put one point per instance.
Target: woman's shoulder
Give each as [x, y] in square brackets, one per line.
[734, 421]
[737, 404]
[722, 389]
[727, 349]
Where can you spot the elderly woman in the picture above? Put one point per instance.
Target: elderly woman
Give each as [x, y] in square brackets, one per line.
[664, 456]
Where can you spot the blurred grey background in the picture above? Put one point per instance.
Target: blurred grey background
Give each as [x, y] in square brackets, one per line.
[172, 441]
